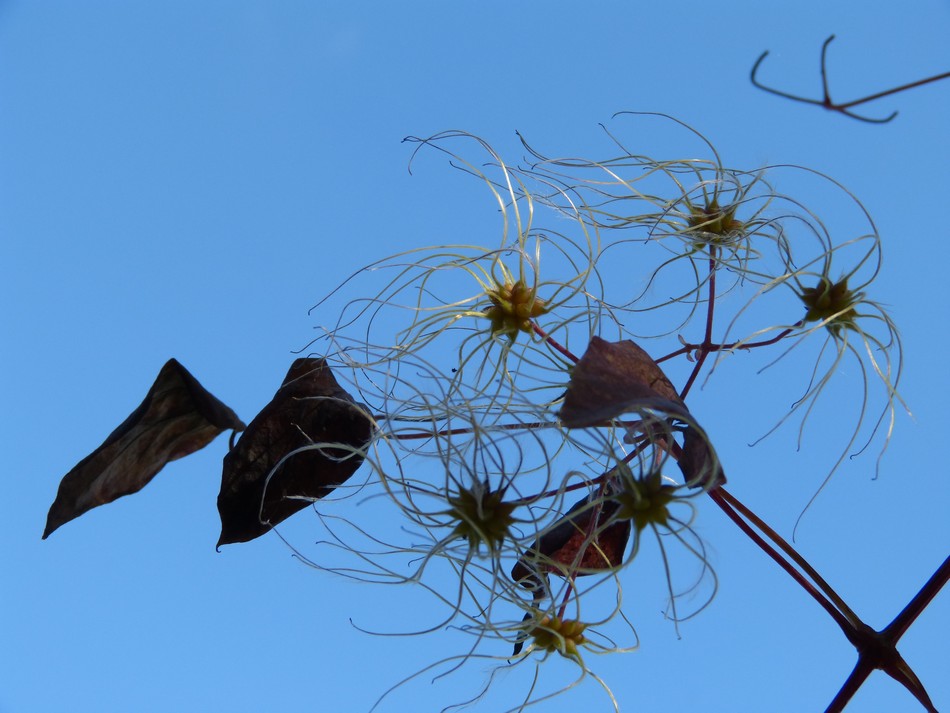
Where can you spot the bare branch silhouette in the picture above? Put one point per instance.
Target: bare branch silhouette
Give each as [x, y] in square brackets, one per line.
[826, 101]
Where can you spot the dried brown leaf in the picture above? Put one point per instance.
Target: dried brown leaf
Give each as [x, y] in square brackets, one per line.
[616, 377]
[557, 549]
[613, 377]
[308, 415]
[177, 417]
[698, 462]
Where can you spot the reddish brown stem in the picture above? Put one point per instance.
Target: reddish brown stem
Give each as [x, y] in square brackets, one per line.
[826, 102]
[579, 557]
[793, 554]
[553, 343]
[707, 336]
[687, 348]
[599, 480]
[438, 433]
[823, 601]
[857, 678]
[555, 493]
[567, 597]
[876, 650]
[461, 431]
[909, 614]
[888, 92]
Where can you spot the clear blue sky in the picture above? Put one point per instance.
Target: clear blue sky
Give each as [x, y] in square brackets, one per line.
[185, 179]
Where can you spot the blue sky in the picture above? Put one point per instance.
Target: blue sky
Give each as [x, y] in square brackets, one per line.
[186, 179]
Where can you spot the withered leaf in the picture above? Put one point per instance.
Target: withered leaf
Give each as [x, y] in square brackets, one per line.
[177, 417]
[698, 462]
[557, 549]
[309, 409]
[614, 377]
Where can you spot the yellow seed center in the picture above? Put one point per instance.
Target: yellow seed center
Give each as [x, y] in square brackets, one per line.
[562, 635]
[513, 306]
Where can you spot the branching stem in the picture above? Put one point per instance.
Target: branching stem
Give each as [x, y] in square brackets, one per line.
[843, 107]
[725, 505]
[554, 344]
[689, 348]
[791, 552]
[704, 348]
[876, 649]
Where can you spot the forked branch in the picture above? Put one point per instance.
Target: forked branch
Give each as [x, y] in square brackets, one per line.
[876, 649]
[826, 101]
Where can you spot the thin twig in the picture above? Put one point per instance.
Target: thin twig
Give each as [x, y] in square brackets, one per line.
[916, 605]
[704, 348]
[792, 553]
[876, 649]
[726, 507]
[843, 107]
[553, 343]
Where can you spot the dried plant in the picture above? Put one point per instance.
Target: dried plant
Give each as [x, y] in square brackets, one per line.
[500, 414]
